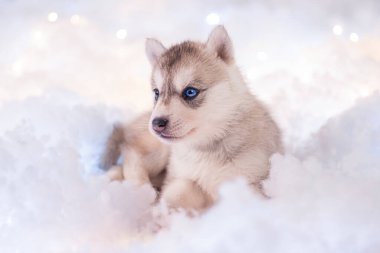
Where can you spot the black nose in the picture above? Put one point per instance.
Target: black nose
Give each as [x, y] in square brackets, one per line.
[159, 124]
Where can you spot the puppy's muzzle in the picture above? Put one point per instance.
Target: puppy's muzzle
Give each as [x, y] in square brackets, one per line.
[159, 124]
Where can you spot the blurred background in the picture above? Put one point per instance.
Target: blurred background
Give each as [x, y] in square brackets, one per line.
[69, 69]
[309, 60]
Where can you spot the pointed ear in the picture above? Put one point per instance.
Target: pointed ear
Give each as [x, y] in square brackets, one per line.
[219, 42]
[154, 49]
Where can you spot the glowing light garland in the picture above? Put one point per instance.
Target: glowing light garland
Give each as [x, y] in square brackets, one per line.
[213, 18]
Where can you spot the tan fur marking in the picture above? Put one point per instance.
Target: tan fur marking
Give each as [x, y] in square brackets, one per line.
[113, 147]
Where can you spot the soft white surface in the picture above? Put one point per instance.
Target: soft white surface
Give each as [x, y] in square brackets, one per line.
[65, 78]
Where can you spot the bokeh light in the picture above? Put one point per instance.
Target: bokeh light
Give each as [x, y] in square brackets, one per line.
[337, 30]
[52, 17]
[213, 19]
[354, 37]
[121, 34]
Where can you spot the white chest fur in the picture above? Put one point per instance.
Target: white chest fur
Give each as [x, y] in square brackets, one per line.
[211, 168]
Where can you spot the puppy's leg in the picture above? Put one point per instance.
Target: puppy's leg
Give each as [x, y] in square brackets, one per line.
[115, 173]
[186, 194]
[133, 169]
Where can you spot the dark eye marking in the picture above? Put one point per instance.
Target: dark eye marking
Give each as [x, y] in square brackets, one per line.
[156, 94]
[189, 93]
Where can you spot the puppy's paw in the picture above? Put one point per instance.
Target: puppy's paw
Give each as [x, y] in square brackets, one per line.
[160, 217]
[115, 173]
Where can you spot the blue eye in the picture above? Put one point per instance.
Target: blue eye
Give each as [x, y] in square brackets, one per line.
[190, 93]
[156, 94]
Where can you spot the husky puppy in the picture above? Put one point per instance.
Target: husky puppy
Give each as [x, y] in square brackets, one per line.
[217, 130]
[144, 157]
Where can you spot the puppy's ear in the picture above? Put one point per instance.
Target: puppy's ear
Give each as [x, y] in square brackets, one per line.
[219, 42]
[154, 49]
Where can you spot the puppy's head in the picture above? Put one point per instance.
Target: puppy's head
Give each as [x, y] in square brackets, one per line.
[192, 85]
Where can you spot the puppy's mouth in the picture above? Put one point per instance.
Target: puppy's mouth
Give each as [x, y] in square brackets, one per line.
[168, 136]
